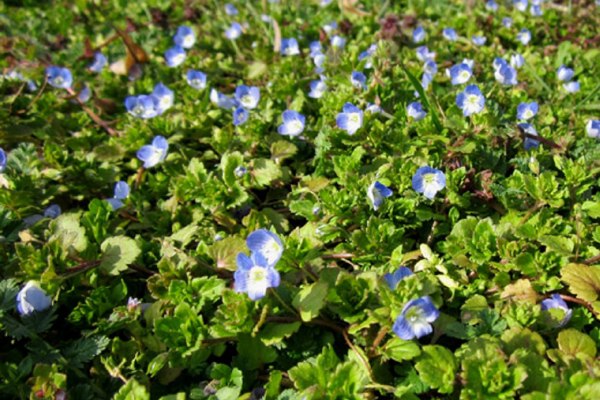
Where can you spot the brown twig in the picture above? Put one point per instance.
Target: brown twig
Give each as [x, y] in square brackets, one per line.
[584, 303]
[93, 115]
[337, 256]
[592, 260]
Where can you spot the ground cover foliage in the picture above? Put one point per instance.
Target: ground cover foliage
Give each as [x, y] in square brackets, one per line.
[139, 291]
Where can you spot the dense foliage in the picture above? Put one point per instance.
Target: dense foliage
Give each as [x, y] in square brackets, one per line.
[296, 200]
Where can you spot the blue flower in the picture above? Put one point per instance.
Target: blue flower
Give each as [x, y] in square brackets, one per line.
[330, 27]
[315, 48]
[564, 73]
[165, 97]
[556, 302]
[491, 5]
[517, 61]
[415, 111]
[571, 87]
[419, 34]
[358, 80]
[429, 181]
[185, 37]
[426, 80]
[254, 276]
[267, 244]
[424, 54]
[221, 100]
[350, 119]
[196, 79]
[449, 34]
[121, 192]
[592, 128]
[84, 94]
[395, 277]
[234, 31]
[319, 60]
[142, 106]
[32, 298]
[529, 143]
[520, 5]
[367, 54]
[99, 62]
[240, 171]
[416, 318]
[293, 123]
[152, 154]
[377, 192]
[478, 40]
[471, 100]
[52, 211]
[289, 47]
[524, 36]
[430, 67]
[240, 116]
[507, 22]
[338, 42]
[2, 159]
[469, 62]
[230, 9]
[58, 77]
[317, 88]
[506, 74]
[527, 110]
[247, 96]
[536, 10]
[459, 73]
[373, 108]
[175, 56]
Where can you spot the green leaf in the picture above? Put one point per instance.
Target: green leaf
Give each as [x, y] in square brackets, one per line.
[583, 280]
[275, 333]
[132, 390]
[252, 353]
[310, 299]
[157, 363]
[523, 338]
[96, 218]
[437, 368]
[225, 252]
[85, 349]
[117, 253]
[282, 149]
[592, 208]
[229, 162]
[8, 293]
[69, 233]
[573, 342]
[265, 171]
[401, 350]
[559, 244]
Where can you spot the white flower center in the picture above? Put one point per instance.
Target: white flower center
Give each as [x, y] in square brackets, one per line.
[429, 179]
[257, 275]
[354, 118]
[295, 126]
[473, 99]
[188, 41]
[165, 102]
[138, 110]
[247, 101]
[528, 114]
